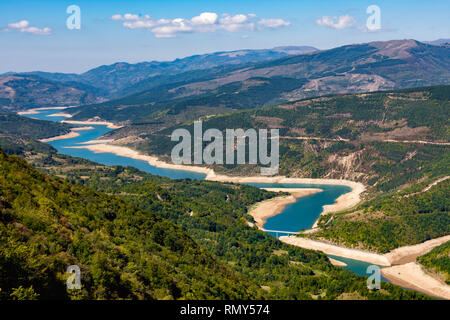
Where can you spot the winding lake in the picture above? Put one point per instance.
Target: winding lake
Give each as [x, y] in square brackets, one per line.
[297, 216]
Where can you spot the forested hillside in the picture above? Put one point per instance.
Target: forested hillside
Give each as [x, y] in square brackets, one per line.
[12, 124]
[123, 252]
[61, 224]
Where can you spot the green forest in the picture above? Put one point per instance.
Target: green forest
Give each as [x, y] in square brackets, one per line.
[12, 124]
[123, 237]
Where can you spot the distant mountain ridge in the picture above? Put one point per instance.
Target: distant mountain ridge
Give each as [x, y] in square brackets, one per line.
[439, 41]
[120, 75]
[348, 69]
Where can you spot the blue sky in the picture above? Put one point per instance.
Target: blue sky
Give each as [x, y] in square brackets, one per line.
[34, 36]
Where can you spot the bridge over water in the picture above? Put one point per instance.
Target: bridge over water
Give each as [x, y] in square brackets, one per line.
[278, 232]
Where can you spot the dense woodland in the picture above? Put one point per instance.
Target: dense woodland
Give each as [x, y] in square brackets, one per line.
[122, 238]
[12, 124]
[123, 252]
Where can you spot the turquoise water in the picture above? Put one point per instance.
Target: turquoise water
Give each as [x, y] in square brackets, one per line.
[109, 159]
[304, 212]
[296, 216]
[356, 266]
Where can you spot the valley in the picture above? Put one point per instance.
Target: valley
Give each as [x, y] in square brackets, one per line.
[87, 177]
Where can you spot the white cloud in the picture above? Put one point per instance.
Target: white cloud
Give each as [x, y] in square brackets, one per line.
[205, 18]
[236, 22]
[169, 31]
[274, 23]
[340, 22]
[23, 26]
[129, 16]
[205, 22]
[19, 25]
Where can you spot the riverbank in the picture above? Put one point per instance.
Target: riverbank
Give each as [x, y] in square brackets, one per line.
[36, 110]
[91, 122]
[397, 256]
[345, 201]
[336, 250]
[103, 147]
[406, 273]
[407, 254]
[72, 134]
[337, 263]
[60, 114]
[271, 207]
[412, 275]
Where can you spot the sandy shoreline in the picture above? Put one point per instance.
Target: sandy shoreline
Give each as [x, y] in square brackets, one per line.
[72, 134]
[92, 123]
[60, 114]
[337, 263]
[271, 207]
[336, 250]
[35, 110]
[411, 275]
[397, 256]
[345, 201]
[410, 253]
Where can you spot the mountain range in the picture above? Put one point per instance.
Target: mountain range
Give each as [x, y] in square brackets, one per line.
[348, 69]
[120, 75]
[185, 89]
